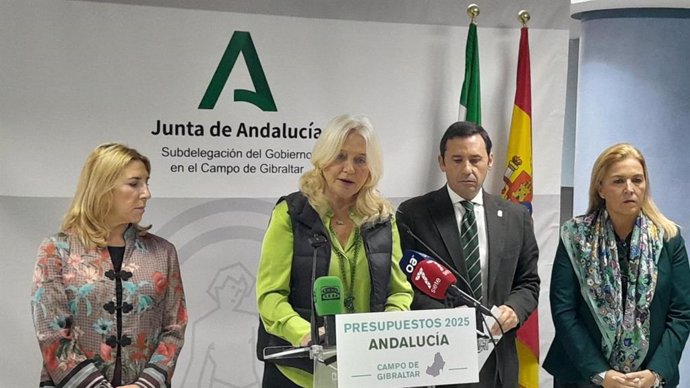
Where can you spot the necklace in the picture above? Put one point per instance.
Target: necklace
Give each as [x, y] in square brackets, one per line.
[349, 301]
[341, 221]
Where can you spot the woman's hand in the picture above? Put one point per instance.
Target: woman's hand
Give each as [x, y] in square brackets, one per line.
[306, 340]
[642, 379]
[615, 379]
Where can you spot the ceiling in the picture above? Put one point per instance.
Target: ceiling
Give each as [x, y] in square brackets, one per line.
[546, 14]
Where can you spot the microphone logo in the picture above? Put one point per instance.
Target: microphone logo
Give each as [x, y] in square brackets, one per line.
[432, 287]
[422, 275]
[410, 259]
[409, 268]
[330, 293]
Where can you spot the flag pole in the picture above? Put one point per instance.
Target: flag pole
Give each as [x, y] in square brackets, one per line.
[473, 12]
[523, 17]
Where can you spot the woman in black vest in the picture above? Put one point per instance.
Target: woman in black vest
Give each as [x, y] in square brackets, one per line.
[338, 200]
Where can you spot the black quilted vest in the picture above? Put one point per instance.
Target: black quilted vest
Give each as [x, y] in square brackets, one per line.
[306, 223]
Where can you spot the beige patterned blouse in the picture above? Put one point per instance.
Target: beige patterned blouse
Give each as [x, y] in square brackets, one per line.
[75, 312]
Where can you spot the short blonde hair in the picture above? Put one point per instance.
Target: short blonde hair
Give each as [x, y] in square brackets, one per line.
[93, 200]
[369, 204]
[612, 155]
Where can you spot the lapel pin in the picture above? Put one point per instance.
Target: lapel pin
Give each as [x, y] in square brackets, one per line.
[500, 213]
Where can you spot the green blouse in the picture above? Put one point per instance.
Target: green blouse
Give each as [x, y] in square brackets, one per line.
[273, 282]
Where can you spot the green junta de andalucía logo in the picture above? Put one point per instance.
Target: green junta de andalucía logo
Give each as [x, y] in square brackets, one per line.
[240, 43]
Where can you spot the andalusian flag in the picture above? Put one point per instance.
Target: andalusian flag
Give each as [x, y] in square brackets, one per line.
[518, 188]
[469, 97]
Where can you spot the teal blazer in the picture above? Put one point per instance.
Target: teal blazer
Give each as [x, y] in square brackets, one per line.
[575, 354]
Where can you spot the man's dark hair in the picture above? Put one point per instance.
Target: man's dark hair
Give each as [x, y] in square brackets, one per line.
[464, 129]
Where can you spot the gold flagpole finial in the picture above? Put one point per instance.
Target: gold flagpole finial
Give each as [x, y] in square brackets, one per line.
[523, 17]
[472, 12]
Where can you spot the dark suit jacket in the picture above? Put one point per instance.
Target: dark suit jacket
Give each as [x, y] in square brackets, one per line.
[513, 278]
[575, 354]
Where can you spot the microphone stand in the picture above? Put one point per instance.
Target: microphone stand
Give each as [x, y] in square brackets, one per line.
[317, 241]
[317, 353]
[457, 293]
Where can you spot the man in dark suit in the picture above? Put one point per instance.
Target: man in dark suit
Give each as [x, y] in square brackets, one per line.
[508, 252]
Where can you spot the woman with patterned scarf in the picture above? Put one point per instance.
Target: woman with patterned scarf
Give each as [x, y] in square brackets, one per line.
[620, 285]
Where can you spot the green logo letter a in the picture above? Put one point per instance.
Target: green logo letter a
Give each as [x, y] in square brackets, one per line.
[241, 42]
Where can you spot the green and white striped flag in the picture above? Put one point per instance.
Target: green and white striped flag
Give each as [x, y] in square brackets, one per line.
[470, 99]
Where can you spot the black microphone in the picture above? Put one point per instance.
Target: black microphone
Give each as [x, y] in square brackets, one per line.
[316, 241]
[437, 257]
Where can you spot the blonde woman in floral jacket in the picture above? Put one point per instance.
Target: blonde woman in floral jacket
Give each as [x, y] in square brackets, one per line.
[107, 300]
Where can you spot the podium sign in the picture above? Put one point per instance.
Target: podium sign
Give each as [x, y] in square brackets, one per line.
[405, 349]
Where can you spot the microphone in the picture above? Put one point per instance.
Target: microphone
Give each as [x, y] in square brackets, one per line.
[436, 257]
[410, 259]
[328, 303]
[438, 282]
[316, 241]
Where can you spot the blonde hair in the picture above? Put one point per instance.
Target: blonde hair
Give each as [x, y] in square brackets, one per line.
[617, 153]
[369, 204]
[93, 200]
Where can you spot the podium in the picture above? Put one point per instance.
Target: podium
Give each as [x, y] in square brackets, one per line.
[325, 366]
[411, 348]
[324, 358]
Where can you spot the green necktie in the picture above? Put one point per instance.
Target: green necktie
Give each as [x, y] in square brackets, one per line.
[470, 249]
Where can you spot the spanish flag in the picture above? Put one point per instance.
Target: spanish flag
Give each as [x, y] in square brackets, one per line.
[518, 189]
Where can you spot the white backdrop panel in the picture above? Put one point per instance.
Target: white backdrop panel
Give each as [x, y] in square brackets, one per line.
[77, 74]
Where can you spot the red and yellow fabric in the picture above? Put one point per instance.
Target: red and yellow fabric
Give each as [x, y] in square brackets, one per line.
[518, 188]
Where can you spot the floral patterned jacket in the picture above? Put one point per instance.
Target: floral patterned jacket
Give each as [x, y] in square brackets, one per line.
[75, 312]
